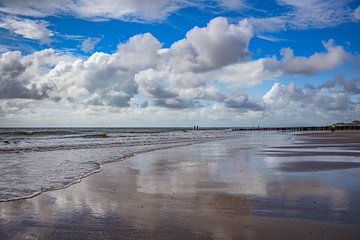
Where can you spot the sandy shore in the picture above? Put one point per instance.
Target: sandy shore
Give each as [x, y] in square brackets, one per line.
[229, 189]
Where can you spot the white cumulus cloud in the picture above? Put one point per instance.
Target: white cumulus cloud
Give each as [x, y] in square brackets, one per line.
[218, 44]
[290, 64]
[286, 102]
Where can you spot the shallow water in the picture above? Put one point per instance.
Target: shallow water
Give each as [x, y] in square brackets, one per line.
[35, 160]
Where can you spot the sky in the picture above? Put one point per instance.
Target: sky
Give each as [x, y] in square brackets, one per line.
[179, 63]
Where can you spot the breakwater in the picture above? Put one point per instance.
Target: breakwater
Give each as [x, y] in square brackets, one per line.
[293, 129]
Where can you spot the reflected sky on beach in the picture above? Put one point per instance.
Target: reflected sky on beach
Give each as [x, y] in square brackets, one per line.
[223, 183]
[241, 167]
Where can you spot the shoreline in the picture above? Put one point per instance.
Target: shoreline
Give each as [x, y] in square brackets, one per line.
[55, 189]
[100, 167]
[184, 193]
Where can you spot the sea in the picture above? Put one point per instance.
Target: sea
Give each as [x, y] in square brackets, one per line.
[35, 160]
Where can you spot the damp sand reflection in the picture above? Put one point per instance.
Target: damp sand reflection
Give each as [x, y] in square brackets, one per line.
[229, 189]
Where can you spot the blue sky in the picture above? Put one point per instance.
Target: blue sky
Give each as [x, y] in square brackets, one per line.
[179, 63]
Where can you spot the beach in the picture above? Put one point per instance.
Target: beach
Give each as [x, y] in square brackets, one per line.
[257, 185]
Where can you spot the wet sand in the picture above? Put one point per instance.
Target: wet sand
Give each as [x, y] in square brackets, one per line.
[340, 143]
[338, 137]
[317, 166]
[230, 189]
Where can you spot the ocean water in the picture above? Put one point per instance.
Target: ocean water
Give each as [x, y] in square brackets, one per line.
[34, 160]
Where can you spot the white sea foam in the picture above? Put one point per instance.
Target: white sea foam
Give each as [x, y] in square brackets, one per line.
[37, 160]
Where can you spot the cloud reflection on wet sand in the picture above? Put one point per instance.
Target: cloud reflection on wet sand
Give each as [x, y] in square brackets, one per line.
[217, 190]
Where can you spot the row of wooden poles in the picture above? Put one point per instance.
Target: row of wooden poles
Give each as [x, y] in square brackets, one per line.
[323, 128]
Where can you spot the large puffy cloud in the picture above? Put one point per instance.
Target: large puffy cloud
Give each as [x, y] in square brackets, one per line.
[140, 52]
[31, 29]
[158, 88]
[107, 79]
[218, 44]
[11, 84]
[335, 100]
[289, 102]
[101, 80]
[174, 90]
[187, 72]
[193, 62]
[290, 64]
[25, 76]
[179, 91]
